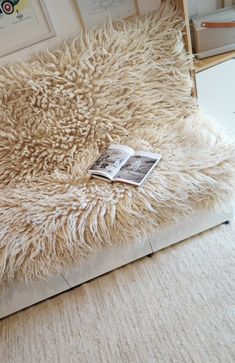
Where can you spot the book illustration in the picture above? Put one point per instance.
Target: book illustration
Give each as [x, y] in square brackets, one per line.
[110, 160]
[136, 168]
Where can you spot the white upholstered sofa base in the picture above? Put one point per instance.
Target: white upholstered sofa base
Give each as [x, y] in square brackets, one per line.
[20, 295]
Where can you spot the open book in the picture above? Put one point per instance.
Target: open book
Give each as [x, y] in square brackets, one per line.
[121, 163]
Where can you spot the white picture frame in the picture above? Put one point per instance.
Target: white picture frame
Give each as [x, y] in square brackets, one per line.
[29, 23]
[93, 13]
[228, 3]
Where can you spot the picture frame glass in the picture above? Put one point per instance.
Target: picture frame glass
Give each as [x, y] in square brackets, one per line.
[93, 13]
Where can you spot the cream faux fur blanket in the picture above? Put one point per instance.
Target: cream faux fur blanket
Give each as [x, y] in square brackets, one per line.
[127, 83]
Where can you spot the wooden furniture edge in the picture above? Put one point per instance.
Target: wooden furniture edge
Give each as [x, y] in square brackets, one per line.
[182, 5]
[202, 64]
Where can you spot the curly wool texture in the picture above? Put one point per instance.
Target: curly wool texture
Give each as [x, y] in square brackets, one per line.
[127, 83]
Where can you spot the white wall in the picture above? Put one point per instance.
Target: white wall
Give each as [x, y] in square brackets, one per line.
[200, 7]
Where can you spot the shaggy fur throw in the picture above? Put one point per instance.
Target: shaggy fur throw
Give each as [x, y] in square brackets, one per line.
[125, 83]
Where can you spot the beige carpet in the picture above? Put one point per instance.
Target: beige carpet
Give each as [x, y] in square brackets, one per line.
[177, 306]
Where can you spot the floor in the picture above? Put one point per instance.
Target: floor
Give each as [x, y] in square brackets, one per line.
[176, 307]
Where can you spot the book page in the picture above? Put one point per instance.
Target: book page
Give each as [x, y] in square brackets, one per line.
[138, 167]
[148, 154]
[111, 161]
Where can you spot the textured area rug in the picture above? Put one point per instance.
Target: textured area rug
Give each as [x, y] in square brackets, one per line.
[127, 83]
[177, 306]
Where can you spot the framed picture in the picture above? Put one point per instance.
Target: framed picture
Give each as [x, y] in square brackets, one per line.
[94, 12]
[23, 23]
[228, 3]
